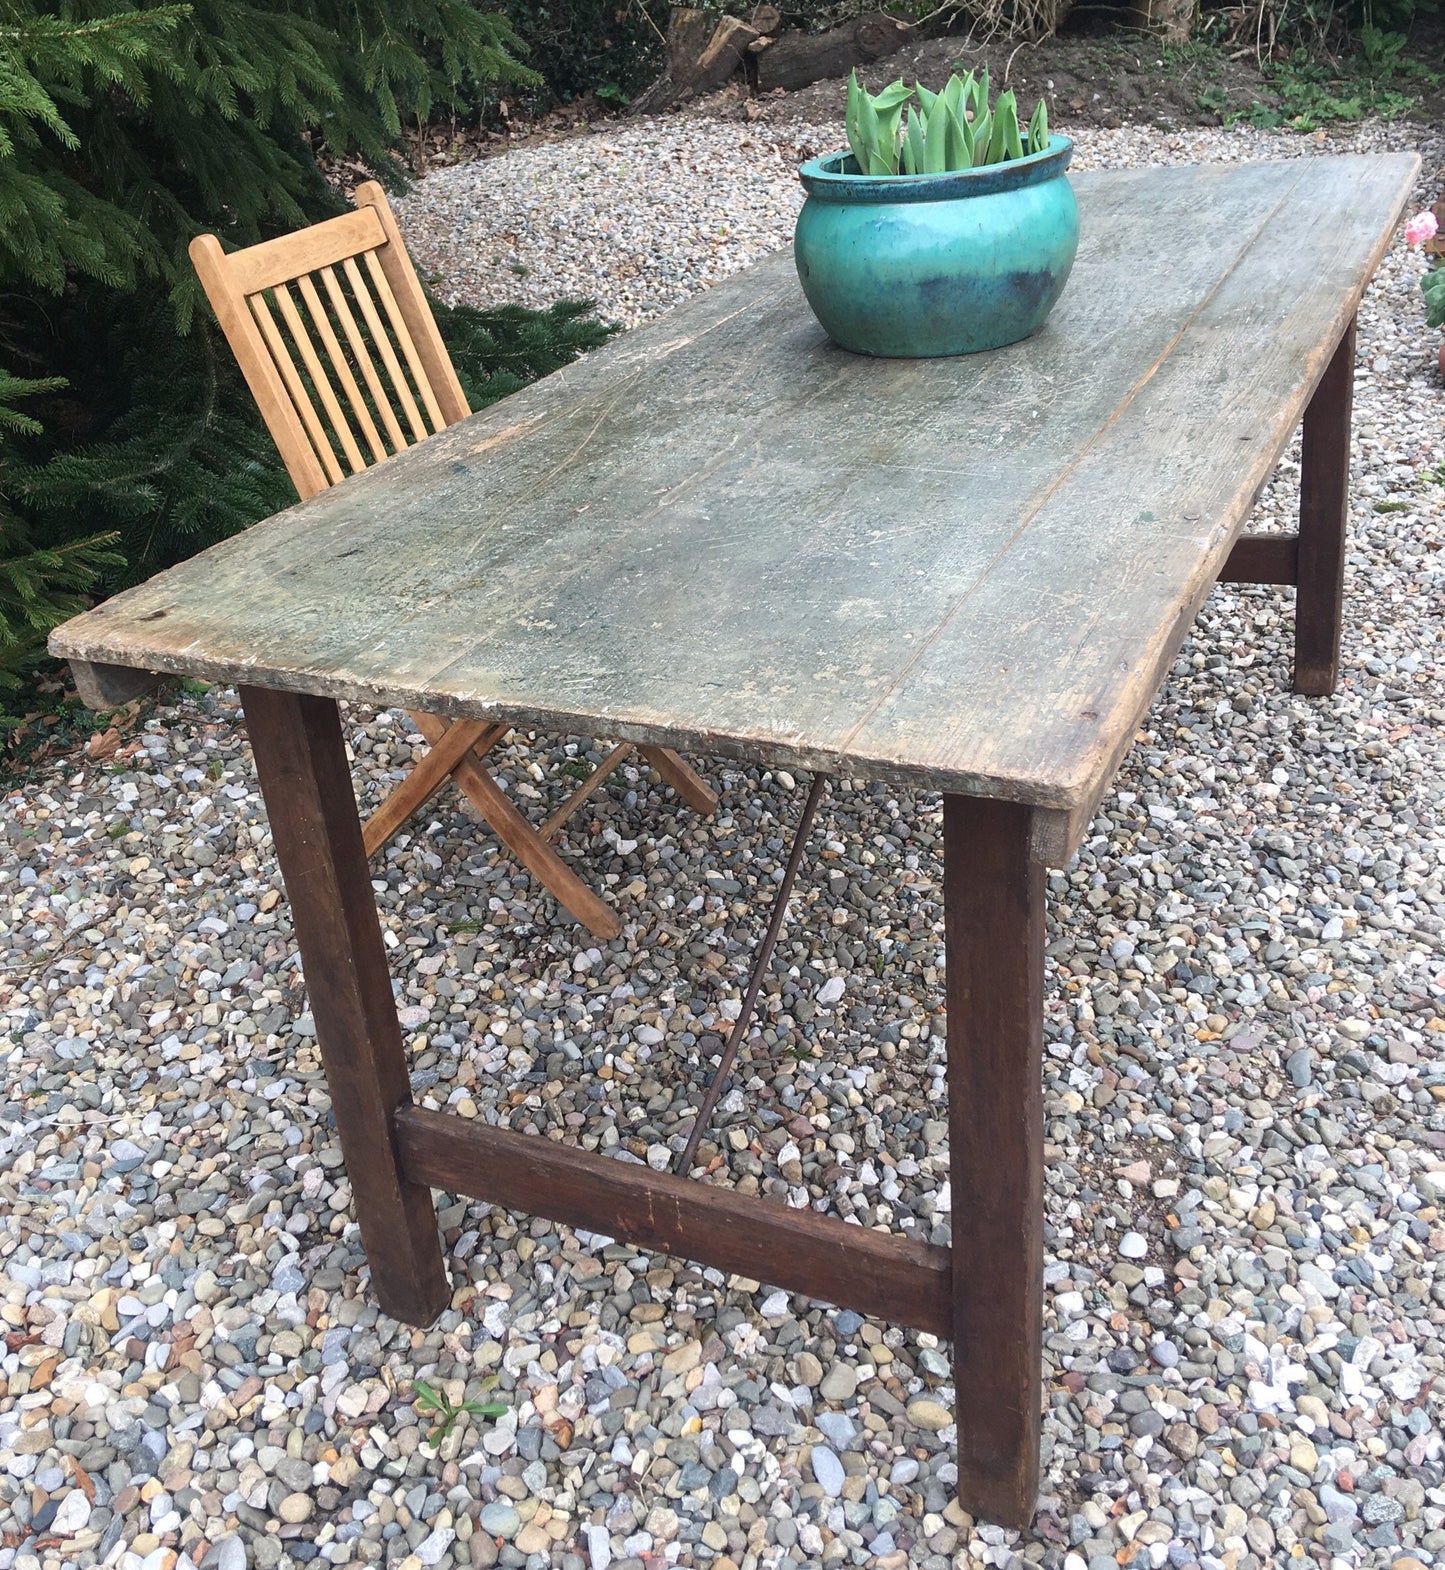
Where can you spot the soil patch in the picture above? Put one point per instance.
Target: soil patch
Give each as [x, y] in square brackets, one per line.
[1090, 81]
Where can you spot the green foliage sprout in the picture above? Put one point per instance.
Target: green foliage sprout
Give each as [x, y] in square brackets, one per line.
[910, 130]
[1432, 286]
[1378, 79]
[445, 1414]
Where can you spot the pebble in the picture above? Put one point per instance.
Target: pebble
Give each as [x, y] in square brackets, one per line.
[72, 1515]
[500, 1520]
[838, 1428]
[434, 1545]
[839, 1383]
[828, 1470]
[928, 1414]
[230, 1553]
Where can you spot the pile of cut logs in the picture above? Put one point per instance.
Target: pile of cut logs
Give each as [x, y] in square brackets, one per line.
[705, 49]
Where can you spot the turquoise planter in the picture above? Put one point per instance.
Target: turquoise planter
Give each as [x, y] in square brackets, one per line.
[926, 265]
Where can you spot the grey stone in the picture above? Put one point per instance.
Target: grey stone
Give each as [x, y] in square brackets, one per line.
[838, 1428]
[839, 1383]
[828, 1470]
[500, 1520]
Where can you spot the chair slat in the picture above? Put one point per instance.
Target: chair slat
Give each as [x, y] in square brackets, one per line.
[319, 379]
[412, 300]
[295, 387]
[283, 260]
[354, 336]
[403, 336]
[327, 334]
[262, 377]
[384, 348]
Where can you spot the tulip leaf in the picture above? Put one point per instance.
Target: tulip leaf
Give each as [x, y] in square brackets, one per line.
[935, 138]
[894, 96]
[998, 136]
[957, 93]
[858, 123]
[960, 143]
[914, 156]
[921, 132]
[1006, 113]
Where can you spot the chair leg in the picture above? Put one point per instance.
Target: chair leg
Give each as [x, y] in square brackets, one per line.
[425, 780]
[523, 841]
[683, 778]
[456, 748]
[614, 759]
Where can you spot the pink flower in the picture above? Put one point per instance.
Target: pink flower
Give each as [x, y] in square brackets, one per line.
[1421, 228]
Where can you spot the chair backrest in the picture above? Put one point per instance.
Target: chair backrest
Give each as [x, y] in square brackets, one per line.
[354, 369]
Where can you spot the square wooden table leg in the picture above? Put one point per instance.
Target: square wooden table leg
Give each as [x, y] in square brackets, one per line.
[301, 761]
[994, 957]
[1324, 516]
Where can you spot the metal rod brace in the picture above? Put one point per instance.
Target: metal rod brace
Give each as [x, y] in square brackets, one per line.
[718, 1083]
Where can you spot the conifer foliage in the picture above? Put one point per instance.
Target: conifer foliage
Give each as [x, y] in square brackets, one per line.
[127, 438]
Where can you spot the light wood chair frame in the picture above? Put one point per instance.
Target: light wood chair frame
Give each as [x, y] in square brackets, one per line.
[413, 393]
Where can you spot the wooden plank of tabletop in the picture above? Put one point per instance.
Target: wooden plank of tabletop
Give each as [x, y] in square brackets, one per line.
[1048, 668]
[721, 532]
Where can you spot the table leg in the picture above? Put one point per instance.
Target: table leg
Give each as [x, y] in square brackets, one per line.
[994, 919]
[1324, 514]
[301, 761]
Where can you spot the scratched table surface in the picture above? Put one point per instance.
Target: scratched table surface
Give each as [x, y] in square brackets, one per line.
[722, 533]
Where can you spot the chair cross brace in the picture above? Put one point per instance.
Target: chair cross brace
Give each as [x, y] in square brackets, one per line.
[457, 748]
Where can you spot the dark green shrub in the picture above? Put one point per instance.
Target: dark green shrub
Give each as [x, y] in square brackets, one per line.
[579, 46]
[124, 131]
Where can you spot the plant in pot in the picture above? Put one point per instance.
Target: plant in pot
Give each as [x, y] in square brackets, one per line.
[1422, 229]
[946, 229]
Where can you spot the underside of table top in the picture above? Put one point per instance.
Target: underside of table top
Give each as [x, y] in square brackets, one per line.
[723, 533]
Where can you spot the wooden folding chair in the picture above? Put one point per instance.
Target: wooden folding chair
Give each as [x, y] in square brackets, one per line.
[345, 406]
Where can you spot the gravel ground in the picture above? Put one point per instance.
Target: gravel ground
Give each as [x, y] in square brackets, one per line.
[1245, 1095]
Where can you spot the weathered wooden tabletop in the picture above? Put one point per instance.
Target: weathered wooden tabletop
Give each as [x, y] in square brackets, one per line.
[722, 533]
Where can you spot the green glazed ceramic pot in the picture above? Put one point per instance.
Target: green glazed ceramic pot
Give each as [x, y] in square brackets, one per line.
[925, 265]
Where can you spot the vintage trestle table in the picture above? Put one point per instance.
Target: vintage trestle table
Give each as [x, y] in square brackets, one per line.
[721, 533]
